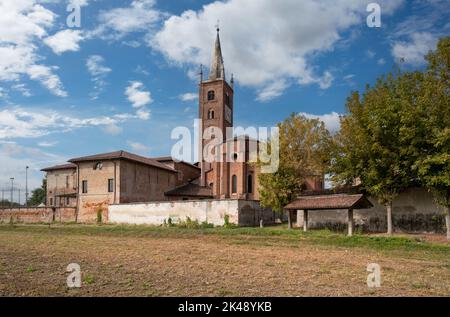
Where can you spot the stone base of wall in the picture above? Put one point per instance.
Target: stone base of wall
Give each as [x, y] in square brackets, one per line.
[413, 211]
[239, 212]
[37, 215]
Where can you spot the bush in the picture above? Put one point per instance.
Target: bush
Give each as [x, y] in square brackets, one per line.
[99, 216]
[189, 224]
[228, 224]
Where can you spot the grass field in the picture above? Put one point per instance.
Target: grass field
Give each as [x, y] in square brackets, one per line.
[152, 261]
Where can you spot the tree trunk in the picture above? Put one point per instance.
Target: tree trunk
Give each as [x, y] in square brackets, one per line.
[447, 220]
[289, 219]
[390, 229]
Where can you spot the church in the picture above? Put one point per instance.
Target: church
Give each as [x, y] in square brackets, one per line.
[92, 183]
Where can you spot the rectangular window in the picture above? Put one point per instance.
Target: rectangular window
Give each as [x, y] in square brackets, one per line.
[85, 187]
[110, 185]
[67, 201]
[67, 181]
[51, 202]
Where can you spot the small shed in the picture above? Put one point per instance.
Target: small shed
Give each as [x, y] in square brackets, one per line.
[329, 202]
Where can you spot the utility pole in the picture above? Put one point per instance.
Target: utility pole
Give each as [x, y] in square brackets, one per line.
[12, 191]
[3, 198]
[26, 186]
[19, 197]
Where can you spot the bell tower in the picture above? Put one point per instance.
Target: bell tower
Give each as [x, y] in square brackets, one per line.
[215, 103]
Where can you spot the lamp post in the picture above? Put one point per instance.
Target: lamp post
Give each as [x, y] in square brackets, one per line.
[12, 191]
[26, 186]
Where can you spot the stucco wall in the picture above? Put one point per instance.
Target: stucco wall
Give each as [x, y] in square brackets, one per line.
[413, 211]
[243, 213]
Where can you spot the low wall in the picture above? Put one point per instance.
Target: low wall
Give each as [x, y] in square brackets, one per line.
[37, 215]
[240, 212]
[413, 211]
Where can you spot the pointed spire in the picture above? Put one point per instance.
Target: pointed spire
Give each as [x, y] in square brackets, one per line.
[217, 66]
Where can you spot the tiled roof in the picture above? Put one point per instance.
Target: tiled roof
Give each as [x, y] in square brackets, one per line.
[59, 167]
[164, 159]
[191, 190]
[325, 202]
[125, 156]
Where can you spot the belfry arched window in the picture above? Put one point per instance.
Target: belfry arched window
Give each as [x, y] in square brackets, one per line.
[211, 114]
[211, 95]
[234, 184]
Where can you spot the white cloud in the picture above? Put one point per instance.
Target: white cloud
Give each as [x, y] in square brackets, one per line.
[143, 114]
[113, 129]
[47, 144]
[141, 71]
[188, 97]
[20, 123]
[272, 91]
[137, 94]
[331, 120]
[370, 54]
[15, 157]
[138, 147]
[22, 88]
[3, 93]
[24, 23]
[140, 16]
[65, 41]
[381, 61]
[413, 51]
[264, 42]
[95, 67]
[80, 3]
[45, 75]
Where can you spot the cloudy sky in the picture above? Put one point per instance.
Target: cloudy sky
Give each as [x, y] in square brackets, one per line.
[128, 75]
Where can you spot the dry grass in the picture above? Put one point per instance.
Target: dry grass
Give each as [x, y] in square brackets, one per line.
[143, 261]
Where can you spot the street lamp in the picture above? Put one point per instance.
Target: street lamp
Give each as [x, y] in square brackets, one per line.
[26, 186]
[12, 190]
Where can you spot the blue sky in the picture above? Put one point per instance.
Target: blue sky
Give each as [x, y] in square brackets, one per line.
[127, 76]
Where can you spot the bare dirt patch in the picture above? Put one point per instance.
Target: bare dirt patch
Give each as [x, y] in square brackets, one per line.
[34, 263]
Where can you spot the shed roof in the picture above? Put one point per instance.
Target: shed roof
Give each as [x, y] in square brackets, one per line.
[325, 202]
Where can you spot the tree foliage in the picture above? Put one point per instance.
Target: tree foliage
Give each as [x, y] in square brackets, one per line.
[433, 163]
[397, 134]
[38, 195]
[304, 152]
[370, 144]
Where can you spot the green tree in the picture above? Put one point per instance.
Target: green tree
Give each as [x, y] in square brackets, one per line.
[38, 195]
[433, 155]
[370, 147]
[304, 148]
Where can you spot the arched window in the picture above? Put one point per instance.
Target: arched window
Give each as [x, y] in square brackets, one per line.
[234, 184]
[211, 95]
[98, 166]
[250, 184]
[211, 114]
